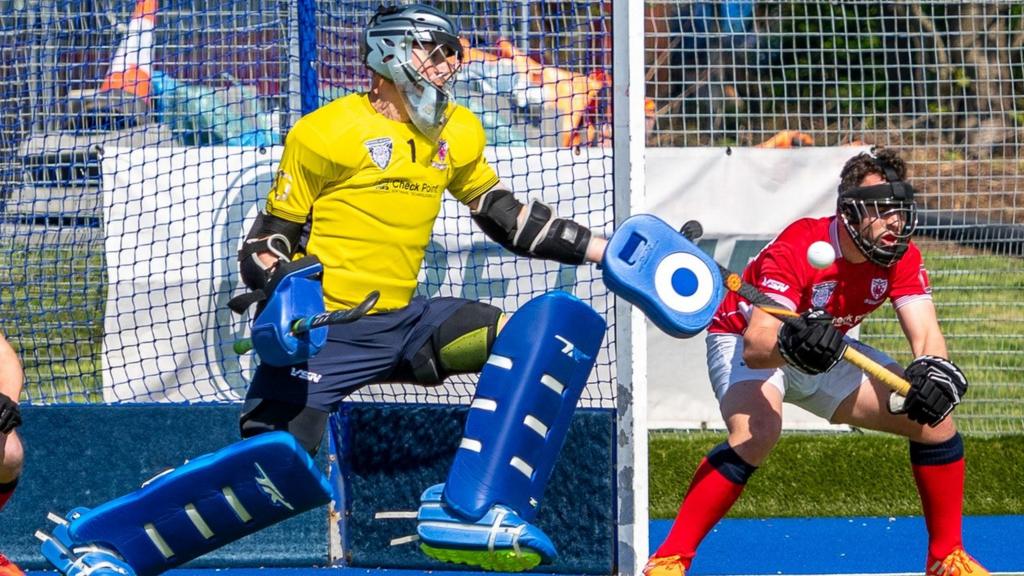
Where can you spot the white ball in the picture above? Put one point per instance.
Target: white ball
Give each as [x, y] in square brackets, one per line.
[821, 255]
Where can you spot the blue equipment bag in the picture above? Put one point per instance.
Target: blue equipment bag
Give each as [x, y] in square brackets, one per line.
[657, 269]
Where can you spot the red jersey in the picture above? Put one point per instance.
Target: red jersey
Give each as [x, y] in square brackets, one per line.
[847, 291]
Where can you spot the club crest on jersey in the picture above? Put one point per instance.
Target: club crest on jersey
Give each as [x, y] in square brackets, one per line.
[822, 293]
[442, 156]
[878, 288]
[282, 186]
[380, 151]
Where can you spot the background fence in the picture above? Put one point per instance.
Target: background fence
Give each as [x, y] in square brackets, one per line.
[941, 81]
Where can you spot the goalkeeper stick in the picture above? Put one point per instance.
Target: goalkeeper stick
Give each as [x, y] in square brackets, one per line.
[303, 325]
[734, 283]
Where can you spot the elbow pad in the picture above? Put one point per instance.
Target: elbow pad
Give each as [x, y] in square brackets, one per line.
[269, 234]
[533, 231]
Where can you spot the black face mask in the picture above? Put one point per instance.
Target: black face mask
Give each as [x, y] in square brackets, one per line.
[866, 202]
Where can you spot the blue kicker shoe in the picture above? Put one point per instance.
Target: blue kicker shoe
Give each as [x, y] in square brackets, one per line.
[74, 560]
[500, 541]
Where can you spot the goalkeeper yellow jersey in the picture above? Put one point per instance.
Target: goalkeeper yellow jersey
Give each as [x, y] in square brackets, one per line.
[374, 188]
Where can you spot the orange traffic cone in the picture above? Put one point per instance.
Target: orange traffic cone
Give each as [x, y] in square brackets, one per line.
[131, 68]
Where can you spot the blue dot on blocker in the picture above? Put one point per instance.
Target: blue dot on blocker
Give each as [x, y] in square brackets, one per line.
[684, 282]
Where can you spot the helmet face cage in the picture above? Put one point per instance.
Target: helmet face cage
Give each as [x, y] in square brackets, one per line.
[856, 212]
[410, 45]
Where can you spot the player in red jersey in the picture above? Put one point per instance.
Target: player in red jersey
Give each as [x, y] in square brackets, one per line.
[756, 362]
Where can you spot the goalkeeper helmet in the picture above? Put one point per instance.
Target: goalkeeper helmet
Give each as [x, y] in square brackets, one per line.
[891, 201]
[417, 47]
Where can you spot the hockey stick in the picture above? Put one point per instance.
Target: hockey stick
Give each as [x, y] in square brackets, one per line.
[303, 325]
[734, 283]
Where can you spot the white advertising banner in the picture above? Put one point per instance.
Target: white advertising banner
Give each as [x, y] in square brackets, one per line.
[743, 197]
[175, 217]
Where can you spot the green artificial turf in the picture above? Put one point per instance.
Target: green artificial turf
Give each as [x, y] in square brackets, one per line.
[838, 474]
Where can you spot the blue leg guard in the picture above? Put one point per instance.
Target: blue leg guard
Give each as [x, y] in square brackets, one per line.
[660, 271]
[209, 502]
[517, 423]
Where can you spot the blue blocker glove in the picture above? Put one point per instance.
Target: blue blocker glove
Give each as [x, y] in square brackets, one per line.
[293, 292]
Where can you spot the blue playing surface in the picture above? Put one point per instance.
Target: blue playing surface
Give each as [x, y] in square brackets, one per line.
[844, 545]
[788, 546]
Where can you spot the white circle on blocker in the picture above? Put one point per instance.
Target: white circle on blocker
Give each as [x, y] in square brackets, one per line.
[667, 293]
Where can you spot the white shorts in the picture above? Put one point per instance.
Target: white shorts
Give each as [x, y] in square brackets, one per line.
[819, 394]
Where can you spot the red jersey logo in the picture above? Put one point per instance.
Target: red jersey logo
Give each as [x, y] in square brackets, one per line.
[879, 286]
[822, 293]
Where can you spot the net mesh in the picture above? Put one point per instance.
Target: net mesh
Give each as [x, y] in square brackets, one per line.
[141, 140]
[941, 82]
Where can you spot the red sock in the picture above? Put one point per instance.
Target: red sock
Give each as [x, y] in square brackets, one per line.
[707, 501]
[942, 497]
[6, 490]
[940, 482]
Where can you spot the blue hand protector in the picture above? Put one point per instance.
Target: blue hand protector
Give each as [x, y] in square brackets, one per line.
[294, 292]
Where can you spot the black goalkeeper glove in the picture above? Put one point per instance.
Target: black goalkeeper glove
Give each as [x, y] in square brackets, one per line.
[810, 343]
[10, 414]
[936, 387]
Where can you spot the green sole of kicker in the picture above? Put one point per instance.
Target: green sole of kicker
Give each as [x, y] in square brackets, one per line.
[496, 561]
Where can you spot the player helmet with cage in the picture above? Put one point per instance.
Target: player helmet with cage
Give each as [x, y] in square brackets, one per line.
[890, 204]
[417, 47]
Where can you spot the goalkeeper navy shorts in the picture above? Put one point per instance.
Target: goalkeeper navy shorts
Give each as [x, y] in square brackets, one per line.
[375, 349]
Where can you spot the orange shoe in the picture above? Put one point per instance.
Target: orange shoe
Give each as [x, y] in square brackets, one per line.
[8, 568]
[665, 566]
[958, 563]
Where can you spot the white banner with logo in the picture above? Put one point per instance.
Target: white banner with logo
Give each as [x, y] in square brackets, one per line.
[174, 220]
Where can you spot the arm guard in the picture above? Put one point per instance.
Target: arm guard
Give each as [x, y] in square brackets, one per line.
[533, 231]
[268, 234]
